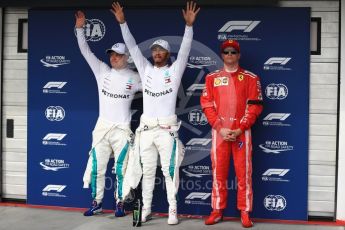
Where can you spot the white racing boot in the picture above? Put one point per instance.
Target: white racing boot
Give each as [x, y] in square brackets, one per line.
[146, 215]
[172, 216]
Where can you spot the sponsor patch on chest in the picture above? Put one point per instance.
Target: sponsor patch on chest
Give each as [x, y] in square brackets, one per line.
[129, 84]
[219, 81]
[167, 77]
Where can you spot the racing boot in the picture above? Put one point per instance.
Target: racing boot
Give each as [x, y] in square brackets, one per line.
[146, 215]
[120, 209]
[215, 217]
[95, 208]
[245, 219]
[172, 220]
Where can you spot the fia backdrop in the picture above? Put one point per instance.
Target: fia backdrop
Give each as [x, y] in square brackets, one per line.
[63, 104]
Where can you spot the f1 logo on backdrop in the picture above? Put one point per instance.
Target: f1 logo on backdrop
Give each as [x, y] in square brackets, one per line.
[54, 187]
[277, 116]
[275, 203]
[277, 63]
[276, 119]
[246, 26]
[230, 28]
[198, 144]
[277, 60]
[54, 136]
[54, 190]
[53, 139]
[199, 141]
[276, 91]
[276, 172]
[275, 175]
[54, 84]
[198, 195]
[195, 87]
[197, 198]
[55, 113]
[54, 87]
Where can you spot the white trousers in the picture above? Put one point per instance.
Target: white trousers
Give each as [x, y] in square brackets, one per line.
[108, 140]
[160, 137]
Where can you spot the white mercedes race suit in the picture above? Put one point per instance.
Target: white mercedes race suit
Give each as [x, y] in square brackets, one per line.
[156, 133]
[108, 139]
[116, 89]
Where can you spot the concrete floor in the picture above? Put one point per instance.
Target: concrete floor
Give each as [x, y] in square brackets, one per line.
[18, 218]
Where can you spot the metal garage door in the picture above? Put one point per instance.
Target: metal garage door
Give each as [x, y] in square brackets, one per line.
[14, 107]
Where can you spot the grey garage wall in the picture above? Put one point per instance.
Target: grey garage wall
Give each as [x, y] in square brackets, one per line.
[323, 108]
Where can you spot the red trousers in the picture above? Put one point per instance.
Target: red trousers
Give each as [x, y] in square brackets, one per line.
[241, 151]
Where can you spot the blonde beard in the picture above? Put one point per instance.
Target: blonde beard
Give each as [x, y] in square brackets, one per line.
[231, 67]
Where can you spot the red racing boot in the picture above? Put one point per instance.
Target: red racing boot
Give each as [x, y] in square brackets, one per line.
[215, 217]
[245, 219]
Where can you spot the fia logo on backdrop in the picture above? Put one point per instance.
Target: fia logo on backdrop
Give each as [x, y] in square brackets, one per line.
[276, 91]
[275, 203]
[55, 113]
[197, 117]
[94, 30]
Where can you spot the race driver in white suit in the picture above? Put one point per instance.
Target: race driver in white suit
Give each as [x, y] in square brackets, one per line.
[112, 134]
[157, 133]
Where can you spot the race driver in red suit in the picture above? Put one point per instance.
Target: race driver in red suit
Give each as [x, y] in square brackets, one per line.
[231, 101]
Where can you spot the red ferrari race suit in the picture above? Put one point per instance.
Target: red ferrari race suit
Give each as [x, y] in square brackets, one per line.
[232, 100]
